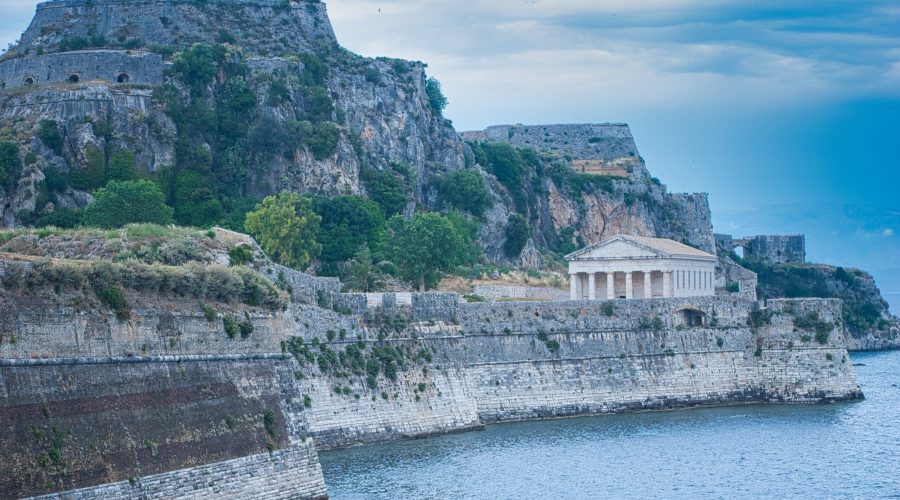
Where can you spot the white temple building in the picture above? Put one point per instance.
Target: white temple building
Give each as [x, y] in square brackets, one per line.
[638, 267]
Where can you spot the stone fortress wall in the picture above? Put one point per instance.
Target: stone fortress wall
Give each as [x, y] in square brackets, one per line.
[165, 404]
[112, 66]
[775, 249]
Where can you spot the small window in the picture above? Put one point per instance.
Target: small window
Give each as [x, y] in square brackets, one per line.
[123, 78]
[74, 79]
[29, 82]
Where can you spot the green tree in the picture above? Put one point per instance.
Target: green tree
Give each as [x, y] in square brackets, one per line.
[361, 274]
[93, 173]
[348, 224]
[125, 202]
[10, 163]
[285, 227]
[517, 233]
[464, 190]
[436, 97]
[195, 202]
[424, 246]
[387, 188]
[122, 167]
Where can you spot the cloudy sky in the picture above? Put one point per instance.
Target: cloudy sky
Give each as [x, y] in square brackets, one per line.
[787, 107]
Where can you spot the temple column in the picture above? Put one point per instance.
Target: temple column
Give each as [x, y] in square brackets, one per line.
[610, 285]
[573, 287]
[592, 286]
[667, 284]
[629, 285]
[648, 289]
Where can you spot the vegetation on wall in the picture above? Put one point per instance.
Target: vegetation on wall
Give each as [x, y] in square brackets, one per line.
[127, 202]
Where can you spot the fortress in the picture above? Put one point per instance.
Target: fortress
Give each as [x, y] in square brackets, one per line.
[163, 403]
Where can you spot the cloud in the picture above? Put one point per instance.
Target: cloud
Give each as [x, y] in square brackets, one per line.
[887, 232]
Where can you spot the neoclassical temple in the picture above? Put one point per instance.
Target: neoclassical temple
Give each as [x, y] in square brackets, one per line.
[638, 267]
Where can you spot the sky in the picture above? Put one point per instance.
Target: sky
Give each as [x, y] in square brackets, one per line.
[786, 112]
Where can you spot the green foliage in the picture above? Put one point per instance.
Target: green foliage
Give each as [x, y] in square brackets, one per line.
[517, 233]
[93, 173]
[387, 188]
[348, 224]
[720, 341]
[195, 203]
[608, 309]
[209, 312]
[424, 246]
[759, 318]
[60, 217]
[121, 203]
[509, 165]
[240, 255]
[436, 98]
[231, 326]
[464, 190]
[122, 167]
[315, 72]
[197, 66]
[48, 133]
[10, 163]
[321, 138]
[286, 227]
[842, 274]
[246, 328]
[269, 423]
[115, 299]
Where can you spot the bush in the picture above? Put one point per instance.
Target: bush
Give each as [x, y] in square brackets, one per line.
[464, 190]
[720, 341]
[209, 312]
[114, 297]
[240, 255]
[517, 233]
[48, 133]
[10, 163]
[387, 188]
[436, 98]
[286, 227]
[269, 423]
[231, 327]
[126, 202]
[246, 328]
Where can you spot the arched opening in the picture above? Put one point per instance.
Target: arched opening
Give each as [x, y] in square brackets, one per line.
[693, 317]
[123, 78]
[29, 82]
[74, 78]
[739, 251]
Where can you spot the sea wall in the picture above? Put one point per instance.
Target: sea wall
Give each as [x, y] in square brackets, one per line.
[164, 403]
[495, 362]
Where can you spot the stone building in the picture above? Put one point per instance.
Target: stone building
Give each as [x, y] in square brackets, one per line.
[638, 267]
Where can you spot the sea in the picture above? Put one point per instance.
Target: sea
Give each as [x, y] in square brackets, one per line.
[843, 450]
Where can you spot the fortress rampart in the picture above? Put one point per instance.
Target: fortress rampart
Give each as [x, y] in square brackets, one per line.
[166, 402]
[110, 66]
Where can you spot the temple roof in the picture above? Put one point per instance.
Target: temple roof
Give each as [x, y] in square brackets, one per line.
[661, 247]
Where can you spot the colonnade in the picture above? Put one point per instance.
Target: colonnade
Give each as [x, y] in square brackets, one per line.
[640, 284]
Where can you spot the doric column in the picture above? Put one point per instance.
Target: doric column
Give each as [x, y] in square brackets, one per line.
[629, 285]
[648, 288]
[573, 287]
[667, 284]
[610, 285]
[592, 286]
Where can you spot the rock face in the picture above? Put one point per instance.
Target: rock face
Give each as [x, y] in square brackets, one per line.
[106, 73]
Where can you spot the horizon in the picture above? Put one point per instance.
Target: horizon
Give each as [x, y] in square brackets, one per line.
[780, 111]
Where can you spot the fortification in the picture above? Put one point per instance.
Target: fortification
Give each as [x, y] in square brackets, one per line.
[773, 249]
[167, 402]
[74, 41]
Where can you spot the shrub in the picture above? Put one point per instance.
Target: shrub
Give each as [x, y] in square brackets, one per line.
[464, 190]
[436, 98]
[48, 133]
[517, 233]
[114, 297]
[209, 312]
[720, 341]
[608, 309]
[10, 163]
[269, 422]
[240, 255]
[126, 202]
[387, 188]
[231, 327]
[246, 328]
[829, 356]
[286, 227]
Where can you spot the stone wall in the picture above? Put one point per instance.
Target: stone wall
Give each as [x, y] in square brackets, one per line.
[79, 423]
[494, 292]
[110, 66]
[771, 249]
[601, 141]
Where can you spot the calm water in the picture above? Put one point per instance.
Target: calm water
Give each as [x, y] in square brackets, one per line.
[843, 450]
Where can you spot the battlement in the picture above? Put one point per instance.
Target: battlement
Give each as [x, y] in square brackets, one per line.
[111, 66]
[606, 142]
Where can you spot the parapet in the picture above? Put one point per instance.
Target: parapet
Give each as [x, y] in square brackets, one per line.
[604, 142]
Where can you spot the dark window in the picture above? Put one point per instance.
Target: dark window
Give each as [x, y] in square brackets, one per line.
[123, 78]
[29, 81]
[74, 78]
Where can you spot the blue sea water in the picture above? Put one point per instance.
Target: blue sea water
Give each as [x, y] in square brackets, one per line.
[847, 450]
